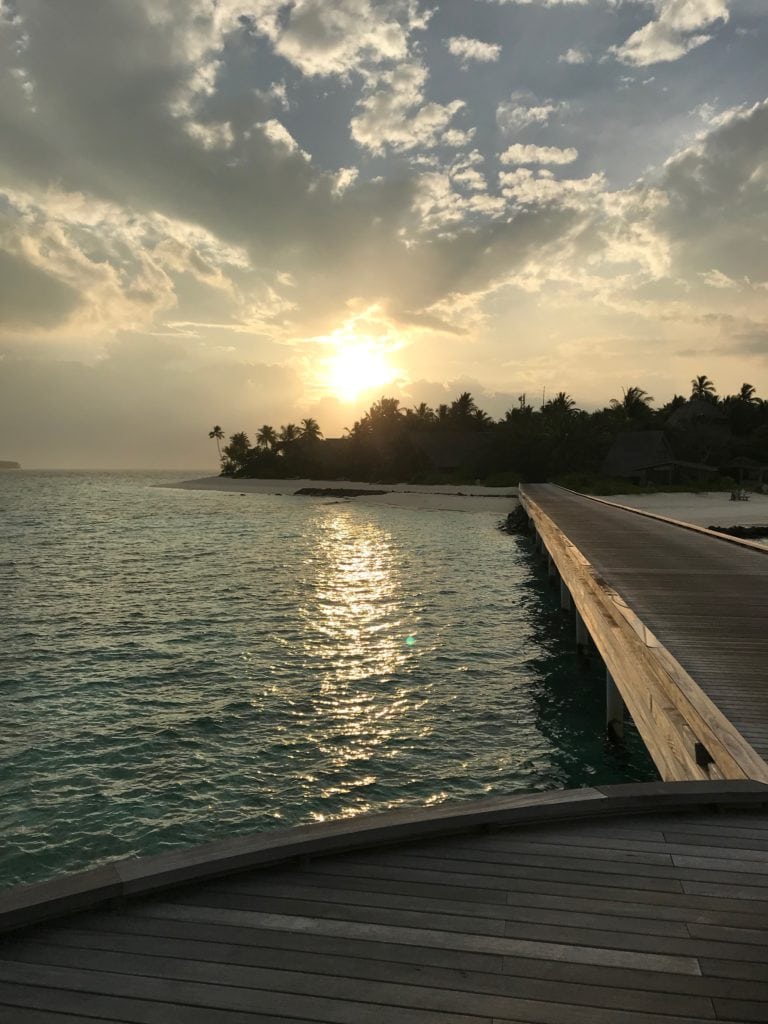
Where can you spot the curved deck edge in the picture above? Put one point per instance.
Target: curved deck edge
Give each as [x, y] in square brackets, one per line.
[130, 878]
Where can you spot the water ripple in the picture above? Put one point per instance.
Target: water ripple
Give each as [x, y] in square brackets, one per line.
[179, 667]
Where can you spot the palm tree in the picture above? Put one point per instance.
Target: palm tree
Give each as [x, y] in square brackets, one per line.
[266, 437]
[463, 407]
[310, 430]
[481, 419]
[421, 414]
[217, 434]
[635, 402]
[237, 452]
[562, 403]
[289, 433]
[703, 389]
[748, 394]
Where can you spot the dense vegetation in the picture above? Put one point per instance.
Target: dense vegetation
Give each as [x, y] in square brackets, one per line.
[461, 443]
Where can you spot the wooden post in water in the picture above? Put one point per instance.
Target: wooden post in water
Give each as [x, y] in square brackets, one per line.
[565, 596]
[582, 634]
[614, 708]
[552, 568]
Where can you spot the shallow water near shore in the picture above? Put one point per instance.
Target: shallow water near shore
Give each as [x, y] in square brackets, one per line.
[183, 666]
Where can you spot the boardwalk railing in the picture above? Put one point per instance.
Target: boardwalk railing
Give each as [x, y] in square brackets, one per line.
[686, 733]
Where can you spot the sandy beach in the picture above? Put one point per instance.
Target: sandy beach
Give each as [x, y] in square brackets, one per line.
[449, 497]
[711, 508]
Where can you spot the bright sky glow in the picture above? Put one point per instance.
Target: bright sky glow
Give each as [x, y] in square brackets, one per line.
[358, 368]
[520, 194]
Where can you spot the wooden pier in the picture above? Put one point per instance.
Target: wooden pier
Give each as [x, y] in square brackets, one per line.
[678, 614]
[639, 904]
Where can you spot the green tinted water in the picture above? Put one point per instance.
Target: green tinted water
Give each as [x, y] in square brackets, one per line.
[183, 666]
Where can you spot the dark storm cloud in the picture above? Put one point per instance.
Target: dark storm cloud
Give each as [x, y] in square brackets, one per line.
[717, 190]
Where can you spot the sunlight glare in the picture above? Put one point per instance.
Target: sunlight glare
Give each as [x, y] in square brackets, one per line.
[358, 367]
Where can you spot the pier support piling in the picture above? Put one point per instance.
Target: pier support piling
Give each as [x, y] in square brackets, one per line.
[582, 635]
[614, 708]
[551, 568]
[565, 596]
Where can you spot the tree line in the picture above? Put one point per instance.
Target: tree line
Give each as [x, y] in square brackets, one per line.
[459, 442]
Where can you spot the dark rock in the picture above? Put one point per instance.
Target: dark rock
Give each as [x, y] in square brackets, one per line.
[744, 532]
[516, 521]
[336, 492]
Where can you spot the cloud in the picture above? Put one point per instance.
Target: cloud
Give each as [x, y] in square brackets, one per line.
[574, 56]
[717, 213]
[529, 188]
[523, 109]
[317, 37]
[395, 113]
[322, 38]
[717, 279]
[473, 49]
[675, 31]
[540, 3]
[523, 154]
[458, 137]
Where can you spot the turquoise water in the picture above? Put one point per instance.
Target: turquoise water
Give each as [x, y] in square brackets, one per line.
[181, 666]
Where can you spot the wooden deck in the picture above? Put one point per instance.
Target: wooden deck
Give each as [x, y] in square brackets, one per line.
[642, 904]
[679, 615]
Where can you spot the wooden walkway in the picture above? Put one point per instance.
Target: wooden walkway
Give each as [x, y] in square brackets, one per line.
[679, 615]
[588, 915]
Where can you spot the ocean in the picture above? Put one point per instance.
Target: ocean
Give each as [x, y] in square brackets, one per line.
[181, 666]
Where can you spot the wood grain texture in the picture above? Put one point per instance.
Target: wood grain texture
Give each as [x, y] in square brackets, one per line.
[678, 616]
[635, 919]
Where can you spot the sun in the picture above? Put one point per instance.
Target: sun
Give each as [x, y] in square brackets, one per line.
[357, 367]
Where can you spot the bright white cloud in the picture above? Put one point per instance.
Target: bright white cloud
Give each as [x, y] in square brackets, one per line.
[573, 56]
[521, 110]
[540, 3]
[395, 114]
[318, 37]
[717, 279]
[211, 136]
[465, 172]
[455, 138]
[278, 134]
[468, 50]
[675, 31]
[523, 154]
[531, 188]
[324, 38]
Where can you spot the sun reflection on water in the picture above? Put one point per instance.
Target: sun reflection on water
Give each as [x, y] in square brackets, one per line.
[358, 642]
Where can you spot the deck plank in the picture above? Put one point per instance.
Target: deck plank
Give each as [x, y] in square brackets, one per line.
[705, 601]
[367, 938]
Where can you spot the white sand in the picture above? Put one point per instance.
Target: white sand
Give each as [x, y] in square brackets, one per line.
[710, 508]
[706, 509]
[451, 498]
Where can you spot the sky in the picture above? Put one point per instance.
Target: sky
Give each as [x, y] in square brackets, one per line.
[239, 213]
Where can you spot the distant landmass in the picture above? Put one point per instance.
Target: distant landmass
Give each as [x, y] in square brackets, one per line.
[9, 465]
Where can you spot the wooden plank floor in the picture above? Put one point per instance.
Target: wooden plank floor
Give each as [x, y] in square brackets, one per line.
[644, 919]
[706, 599]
